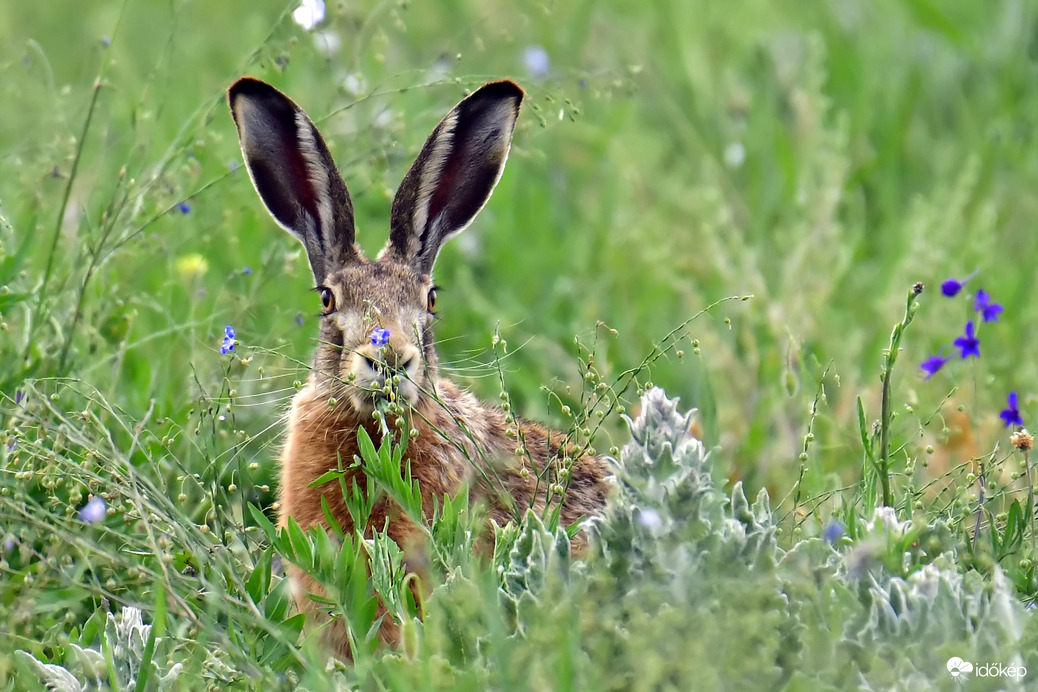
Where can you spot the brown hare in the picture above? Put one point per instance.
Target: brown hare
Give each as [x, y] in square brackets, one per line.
[377, 323]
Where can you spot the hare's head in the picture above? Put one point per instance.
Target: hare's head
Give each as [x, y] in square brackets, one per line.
[377, 315]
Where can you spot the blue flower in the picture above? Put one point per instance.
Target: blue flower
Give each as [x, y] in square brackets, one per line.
[246, 270]
[969, 344]
[184, 208]
[94, 512]
[1011, 415]
[990, 311]
[380, 337]
[228, 340]
[934, 363]
[18, 396]
[299, 320]
[833, 531]
[951, 287]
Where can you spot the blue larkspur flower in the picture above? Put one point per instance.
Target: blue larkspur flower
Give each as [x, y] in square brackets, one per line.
[969, 344]
[379, 337]
[934, 363]
[1011, 416]
[951, 287]
[184, 208]
[228, 340]
[988, 310]
[833, 531]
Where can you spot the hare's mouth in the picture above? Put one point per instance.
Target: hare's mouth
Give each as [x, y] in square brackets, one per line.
[376, 381]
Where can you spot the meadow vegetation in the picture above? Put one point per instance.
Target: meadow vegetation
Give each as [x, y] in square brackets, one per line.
[750, 206]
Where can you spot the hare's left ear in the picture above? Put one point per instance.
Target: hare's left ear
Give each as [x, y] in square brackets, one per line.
[454, 174]
[294, 174]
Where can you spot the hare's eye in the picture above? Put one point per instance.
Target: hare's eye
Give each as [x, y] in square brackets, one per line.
[430, 301]
[327, 299]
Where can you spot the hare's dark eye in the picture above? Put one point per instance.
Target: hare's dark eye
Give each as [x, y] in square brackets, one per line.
[430, 301]
[327, 299]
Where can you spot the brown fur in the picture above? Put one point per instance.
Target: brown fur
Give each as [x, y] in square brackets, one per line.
[461, 440]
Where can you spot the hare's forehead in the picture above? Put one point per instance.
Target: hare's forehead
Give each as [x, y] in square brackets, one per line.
[386, 285]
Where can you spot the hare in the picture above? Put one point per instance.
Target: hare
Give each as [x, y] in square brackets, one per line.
[377, 323]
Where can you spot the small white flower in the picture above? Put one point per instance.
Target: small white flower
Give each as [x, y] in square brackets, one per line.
[355, 85]
[650, 518]
[309, 14]
[885, 519]
[734, 154]
[327, 42]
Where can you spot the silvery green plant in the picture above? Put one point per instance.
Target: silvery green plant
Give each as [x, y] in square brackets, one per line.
[127, 649]
[677, 566]
[668, 511]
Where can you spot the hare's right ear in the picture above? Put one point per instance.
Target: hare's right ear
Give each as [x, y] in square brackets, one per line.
[294, 173]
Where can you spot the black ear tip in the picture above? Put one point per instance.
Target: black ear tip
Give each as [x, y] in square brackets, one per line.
[250, 86]
[502, 90]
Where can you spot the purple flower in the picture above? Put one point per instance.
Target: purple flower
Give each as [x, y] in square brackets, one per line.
[1011, 415]
[228, 340]
[246, 270]
[934, 363]
[951, 287]
[969, 344]
[982, 304]
[184, 208]
[380, 337]
[94, 512]
[18, 396]
[833, 531]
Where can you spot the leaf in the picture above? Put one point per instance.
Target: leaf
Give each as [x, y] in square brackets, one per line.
[333, 523]
[54, 677]
[259, 581]
[7, 300]
[157, 629]
[326, 477]
[276, 602]
[265, 525]
[300, 545]
[863, 428]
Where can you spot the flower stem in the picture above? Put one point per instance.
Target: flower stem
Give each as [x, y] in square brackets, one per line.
[885, 413]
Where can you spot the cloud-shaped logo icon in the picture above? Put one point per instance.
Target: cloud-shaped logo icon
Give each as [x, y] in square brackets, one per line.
[956, 666]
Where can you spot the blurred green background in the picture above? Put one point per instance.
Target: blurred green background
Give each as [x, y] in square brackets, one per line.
[820, 156]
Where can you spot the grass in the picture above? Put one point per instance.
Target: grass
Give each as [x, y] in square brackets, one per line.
[819, 157]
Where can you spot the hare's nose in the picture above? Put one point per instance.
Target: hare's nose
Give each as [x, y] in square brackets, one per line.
[392, 359]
